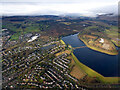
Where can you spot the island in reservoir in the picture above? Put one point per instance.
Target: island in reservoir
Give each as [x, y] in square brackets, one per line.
[99, 44]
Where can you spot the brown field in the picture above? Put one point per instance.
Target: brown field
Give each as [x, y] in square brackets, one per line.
[66, 51]
[44, 37]
[90, 36]
[76, 71]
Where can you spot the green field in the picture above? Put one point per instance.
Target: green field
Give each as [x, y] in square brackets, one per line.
[62, 41]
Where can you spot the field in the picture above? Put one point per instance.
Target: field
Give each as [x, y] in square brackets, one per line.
[66, 51]
[76, 71]
[100, 49]
[62, 42]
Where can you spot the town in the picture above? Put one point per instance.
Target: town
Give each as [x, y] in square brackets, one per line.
[37, 66]
[35, 56]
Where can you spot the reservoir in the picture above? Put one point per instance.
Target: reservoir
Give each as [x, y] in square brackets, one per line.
[106, 65]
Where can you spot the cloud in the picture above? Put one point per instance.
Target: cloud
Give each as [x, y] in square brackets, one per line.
[53, 8]
[63, 1]
[107, 9]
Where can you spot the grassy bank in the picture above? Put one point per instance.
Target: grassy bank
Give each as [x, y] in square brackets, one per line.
[62, 41]
[98, 49]
[116, 43]
[66, 51]
[90, 72]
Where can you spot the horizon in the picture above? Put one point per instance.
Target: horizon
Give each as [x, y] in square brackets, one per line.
[77, 7]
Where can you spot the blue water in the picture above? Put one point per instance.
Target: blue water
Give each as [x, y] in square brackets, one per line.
[105, 64]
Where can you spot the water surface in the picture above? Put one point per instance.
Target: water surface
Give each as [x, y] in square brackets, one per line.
[105, 64]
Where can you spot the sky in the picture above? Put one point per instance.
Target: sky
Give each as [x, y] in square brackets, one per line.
[57, 7]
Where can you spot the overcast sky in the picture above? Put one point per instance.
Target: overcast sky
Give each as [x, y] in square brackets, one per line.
[57, 7]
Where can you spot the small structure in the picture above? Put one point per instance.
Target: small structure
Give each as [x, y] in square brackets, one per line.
[33, 38]
[101, 40]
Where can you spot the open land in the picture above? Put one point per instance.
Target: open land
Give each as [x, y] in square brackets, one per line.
[94, 43]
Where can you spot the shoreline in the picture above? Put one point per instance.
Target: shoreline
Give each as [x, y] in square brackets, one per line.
[92, 72]
[69, 34]
[98, 49]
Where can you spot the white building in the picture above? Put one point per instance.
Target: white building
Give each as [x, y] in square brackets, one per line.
[33, 38]
[101, 40]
